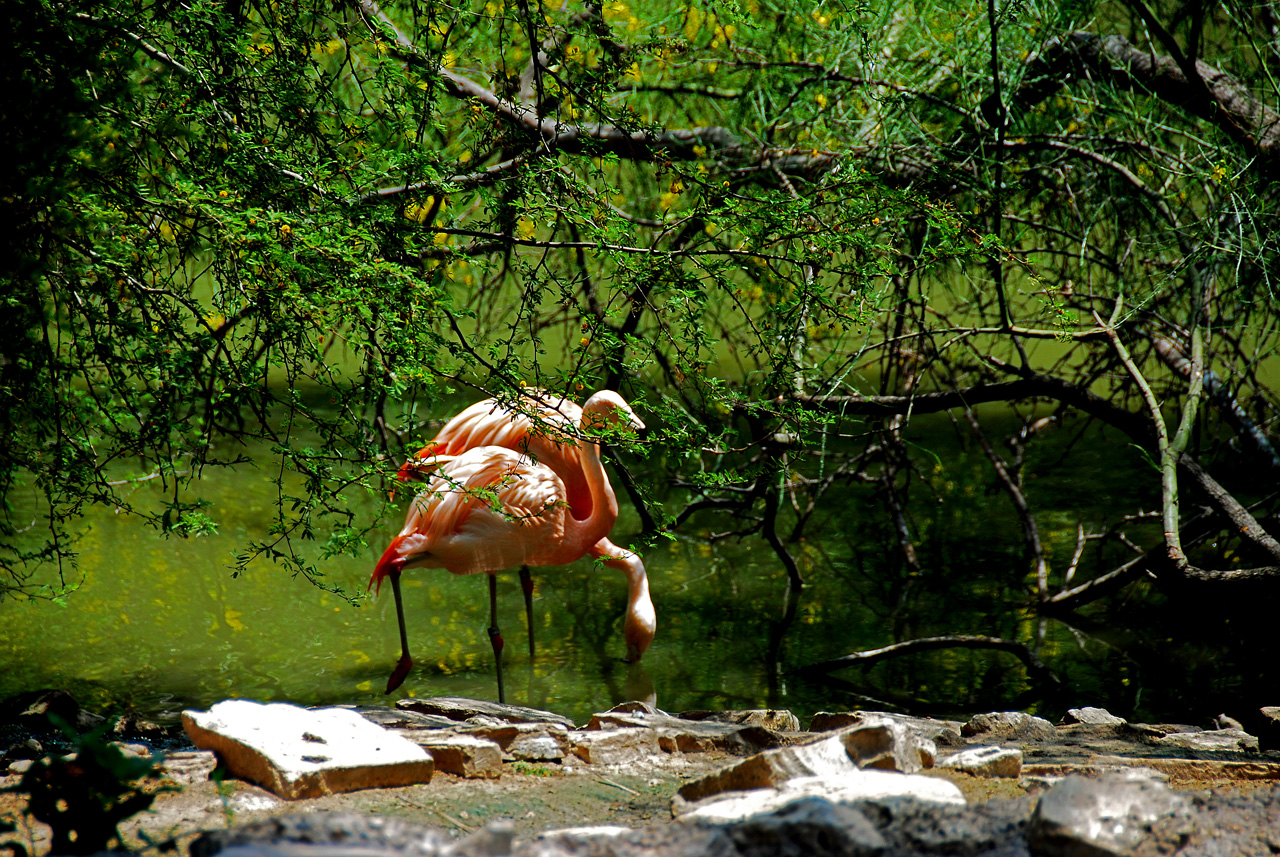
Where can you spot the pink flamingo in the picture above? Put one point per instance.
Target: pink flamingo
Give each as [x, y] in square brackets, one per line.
[544, 427]
[492, 508]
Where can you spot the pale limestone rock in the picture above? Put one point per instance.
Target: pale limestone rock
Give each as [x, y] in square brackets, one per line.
[529, 742]
[676, 734]
[297, 753]
[1091, 717]
[188, 767]
[770, 769]
[1106, 816]
[985, 762]
[399, 718]
[942, 732]
[1008, 726]
[614, 746]
[846, 788]
[467, 756]
[457, 708]
[1220, 739]
[777, 719]
[886, 743]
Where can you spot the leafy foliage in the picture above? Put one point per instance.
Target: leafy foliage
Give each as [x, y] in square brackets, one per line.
[786, 228]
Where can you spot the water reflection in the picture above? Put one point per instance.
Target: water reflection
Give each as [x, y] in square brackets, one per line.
[160, 625]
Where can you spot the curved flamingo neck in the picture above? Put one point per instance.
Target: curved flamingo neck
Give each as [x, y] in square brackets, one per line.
[641, 622]
[604, 503]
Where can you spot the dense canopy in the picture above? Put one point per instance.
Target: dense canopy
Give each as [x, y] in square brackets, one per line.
[783, 231]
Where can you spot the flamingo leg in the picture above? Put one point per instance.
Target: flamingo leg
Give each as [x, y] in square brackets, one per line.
[495, 637]
[526, 584]
[405, 664]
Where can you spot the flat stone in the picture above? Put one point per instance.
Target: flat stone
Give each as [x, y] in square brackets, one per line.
[614, 746]
[1178, 771]
[1091, 717]
[399, 718]
[297, 753]
[1008, 726]
[467, 756]
[676, 734]
[777, 719]
[1221, 739]
[851, 787]
[1106, 816]
[942, 732]
[457, 708]
[985, 761]
[528, 742]
[188, 767]
[823, 758]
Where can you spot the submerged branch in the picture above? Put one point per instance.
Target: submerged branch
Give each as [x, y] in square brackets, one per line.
[1035, 667]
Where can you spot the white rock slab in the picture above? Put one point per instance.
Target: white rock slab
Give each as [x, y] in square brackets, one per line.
[1221, 739]
[986, 761]
[299, 753]
[858, 785]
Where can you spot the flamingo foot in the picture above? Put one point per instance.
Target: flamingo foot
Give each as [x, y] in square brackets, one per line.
[400, 673]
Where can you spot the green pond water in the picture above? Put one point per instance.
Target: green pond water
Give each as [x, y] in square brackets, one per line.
[160, 624]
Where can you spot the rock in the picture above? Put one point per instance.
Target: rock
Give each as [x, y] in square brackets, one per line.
[850, 787]
[823, 758]
[888, 744]
[528, 742]
[457, 708]
[1222, 721]
[1008, 726]
[1091, 717]
[1111, 815]
[353, 833]
[808, 826]
[985, 762]
[133, 726]
[942, 732]
[1269, 727]
[881, 744]
[994, 828]
[40, 710]
[467, 756]
[690, 736]
[398, 718]
[614, 746]
[188, 767]
[779, 720]
[297, 753]
[1221, 739]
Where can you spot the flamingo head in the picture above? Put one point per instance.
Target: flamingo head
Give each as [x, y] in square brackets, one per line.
[638, 636]
[417, 467]
[607, 409]
[638, 631]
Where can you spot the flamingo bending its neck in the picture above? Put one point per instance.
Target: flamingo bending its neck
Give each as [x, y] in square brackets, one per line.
[543, 426]
[492, 508]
